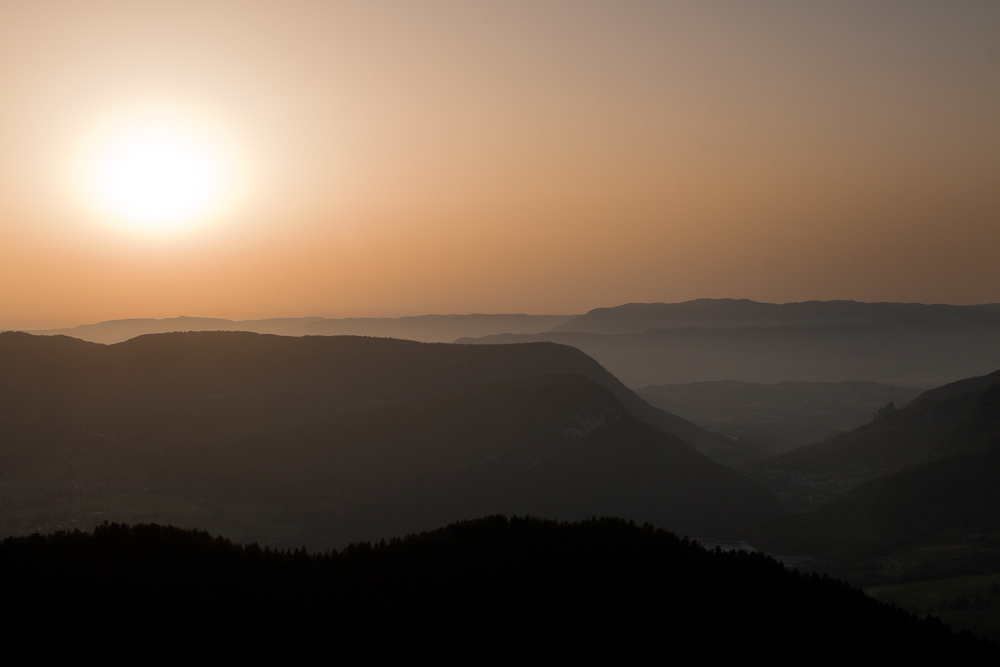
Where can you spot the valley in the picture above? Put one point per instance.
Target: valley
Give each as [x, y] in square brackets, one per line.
[322, 441]
[500, 332]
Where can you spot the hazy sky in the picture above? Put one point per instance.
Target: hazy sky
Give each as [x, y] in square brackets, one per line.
[541, 157]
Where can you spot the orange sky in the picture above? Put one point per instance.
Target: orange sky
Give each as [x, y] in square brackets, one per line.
[541, 157]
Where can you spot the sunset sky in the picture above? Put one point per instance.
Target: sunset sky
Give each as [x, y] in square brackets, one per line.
[386, 159]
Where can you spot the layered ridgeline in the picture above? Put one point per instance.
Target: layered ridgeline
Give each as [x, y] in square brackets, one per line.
[424, 328]
[914, 345]
[323, 440]
[834, 341]
[492, 590]
[921, 474]
[729, 313]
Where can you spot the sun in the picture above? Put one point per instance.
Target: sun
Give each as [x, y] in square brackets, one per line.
[158, 176]
[156, 171]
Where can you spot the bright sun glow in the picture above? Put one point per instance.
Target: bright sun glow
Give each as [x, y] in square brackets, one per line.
[156, 171]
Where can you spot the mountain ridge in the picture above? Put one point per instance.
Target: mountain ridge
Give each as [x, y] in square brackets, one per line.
[424, 328]
[724, 313]
[338, 436]
[919, 353]
[956, 419]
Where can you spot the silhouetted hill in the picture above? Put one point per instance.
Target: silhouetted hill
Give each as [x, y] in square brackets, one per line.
[336, 438]
[492, 590]
[726, 313]
[344, 370]
[425, 328]
[957, 419]
[919, 353]
[762, 420]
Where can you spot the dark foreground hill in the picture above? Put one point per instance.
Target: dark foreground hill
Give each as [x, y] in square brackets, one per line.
[486, 591]
[325, 440]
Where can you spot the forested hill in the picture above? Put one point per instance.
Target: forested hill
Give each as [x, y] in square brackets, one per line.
[426, 328]
[482, 591]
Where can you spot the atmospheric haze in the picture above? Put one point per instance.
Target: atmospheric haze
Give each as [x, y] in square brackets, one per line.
[397, 159]
[321, 275]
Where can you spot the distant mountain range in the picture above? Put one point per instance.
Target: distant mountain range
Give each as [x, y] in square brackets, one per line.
[322, 440]
[628, 318]
[915, 352]
[907, 344]
[729, 313]
[424, 328]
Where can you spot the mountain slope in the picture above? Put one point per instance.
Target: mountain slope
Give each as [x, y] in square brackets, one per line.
[934, 504]
[940, 458]
[328, 439]
[556, 446]
[957, 419]
[332, 370]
